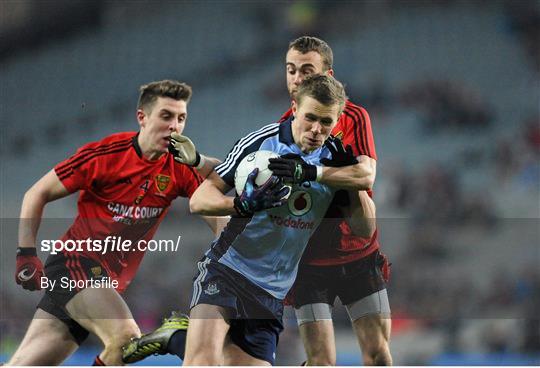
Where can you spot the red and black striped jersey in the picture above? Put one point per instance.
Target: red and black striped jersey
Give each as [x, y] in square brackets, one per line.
[122, 194]
[333, 242]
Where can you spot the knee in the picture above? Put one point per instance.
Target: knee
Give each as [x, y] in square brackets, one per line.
[203, 354]
[321, 361]
[121, 337]
[203, 358]
[321, 358]
[321, 353]
[378, 356]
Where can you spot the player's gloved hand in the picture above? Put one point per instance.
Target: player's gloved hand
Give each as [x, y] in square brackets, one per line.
[253, 199]
[341, 156]
[384, 265]
[183, 150]
[29, 269]
[293, 169]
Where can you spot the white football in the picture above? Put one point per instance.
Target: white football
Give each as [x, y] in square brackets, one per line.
[257, 159]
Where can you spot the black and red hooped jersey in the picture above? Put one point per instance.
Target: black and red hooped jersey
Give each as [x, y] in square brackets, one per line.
[121, 194]
[333, 242]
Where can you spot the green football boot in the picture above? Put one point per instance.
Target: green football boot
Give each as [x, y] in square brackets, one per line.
[154, 343]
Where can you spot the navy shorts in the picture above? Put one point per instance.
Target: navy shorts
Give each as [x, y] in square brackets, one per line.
[350, 282]
[255, 315]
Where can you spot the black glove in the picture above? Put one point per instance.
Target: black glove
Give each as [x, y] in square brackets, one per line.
[29, 269]
[293, 169]
[341, 156]
[253, 199]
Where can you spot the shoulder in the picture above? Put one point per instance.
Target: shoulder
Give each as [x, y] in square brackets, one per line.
[115, 141]
[90, 152]
[246, 145]
[256, 137]
[117, 137]
[354, 114]
[267, 129]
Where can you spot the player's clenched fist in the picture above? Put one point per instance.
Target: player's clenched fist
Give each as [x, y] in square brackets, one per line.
[183, 150]
[29, 269]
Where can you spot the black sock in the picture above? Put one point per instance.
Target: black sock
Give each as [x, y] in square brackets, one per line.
[177, 344]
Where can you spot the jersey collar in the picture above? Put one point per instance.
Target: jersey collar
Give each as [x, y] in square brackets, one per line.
[285, 132]
[136, 145]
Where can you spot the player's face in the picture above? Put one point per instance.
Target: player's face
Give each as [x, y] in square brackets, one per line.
[313, 123]
[299, 66]
[166, 116]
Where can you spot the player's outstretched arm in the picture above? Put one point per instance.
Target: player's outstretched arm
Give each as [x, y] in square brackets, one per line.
[362, 217]
[45, 190]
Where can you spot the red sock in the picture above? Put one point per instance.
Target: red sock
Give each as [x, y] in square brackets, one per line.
[98, 361]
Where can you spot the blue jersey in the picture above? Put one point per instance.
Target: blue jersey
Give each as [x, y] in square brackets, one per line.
[267, 248]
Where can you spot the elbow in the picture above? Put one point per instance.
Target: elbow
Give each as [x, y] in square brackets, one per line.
[195, 205]
[35, 195]
[364, 173]
[369, 182]
[365, 179]
[28, 195]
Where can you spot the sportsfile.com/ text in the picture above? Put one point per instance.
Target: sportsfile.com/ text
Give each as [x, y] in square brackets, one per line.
[110, 244]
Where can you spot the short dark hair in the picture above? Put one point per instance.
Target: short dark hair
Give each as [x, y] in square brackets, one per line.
[165, 88]
[323, 88]
[306, 44]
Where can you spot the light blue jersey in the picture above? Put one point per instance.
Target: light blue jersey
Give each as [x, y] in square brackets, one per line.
[267, 248]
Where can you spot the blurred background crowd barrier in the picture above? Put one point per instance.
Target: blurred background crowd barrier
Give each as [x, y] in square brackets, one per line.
[452, 88]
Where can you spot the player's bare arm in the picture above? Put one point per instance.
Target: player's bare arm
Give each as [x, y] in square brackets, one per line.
[361, 215]
[29, 267]
[360, 176]
[45, 190]
[210, 199]
[208, 166]
[342, 171]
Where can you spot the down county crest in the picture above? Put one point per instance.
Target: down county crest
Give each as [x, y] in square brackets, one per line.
[162, 182]
[299, 203]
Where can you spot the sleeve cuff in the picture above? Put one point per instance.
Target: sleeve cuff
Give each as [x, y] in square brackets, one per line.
[202, 161]
[319, 173]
